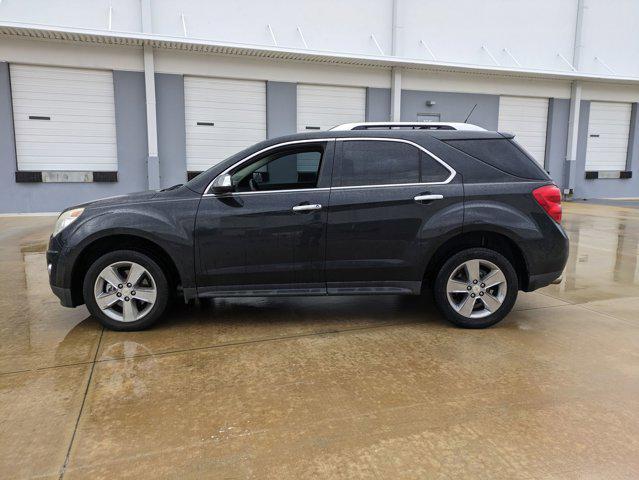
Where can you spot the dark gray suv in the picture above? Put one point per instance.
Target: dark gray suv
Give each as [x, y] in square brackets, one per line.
[466, 214]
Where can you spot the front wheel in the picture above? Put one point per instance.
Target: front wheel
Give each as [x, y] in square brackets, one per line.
[126, 290]
[476, 288]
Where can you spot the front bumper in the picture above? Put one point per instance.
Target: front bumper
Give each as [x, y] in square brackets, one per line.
[56, 270]
[64, 294]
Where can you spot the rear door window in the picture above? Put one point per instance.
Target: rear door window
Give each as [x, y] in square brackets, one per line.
[432, 171]
[379, 162]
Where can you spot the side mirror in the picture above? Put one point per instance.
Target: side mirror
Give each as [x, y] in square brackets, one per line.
[222, 184]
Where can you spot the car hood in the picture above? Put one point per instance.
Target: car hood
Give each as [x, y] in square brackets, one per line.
[120, 199]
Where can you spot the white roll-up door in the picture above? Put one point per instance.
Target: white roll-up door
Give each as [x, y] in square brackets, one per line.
[320, 107]
[608, 130]
[64, 119]
[223, 116]
[527, 118]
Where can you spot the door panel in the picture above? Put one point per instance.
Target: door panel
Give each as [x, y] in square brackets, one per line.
[255, 241]
[389, 204]
[269, 236]
[377, 236]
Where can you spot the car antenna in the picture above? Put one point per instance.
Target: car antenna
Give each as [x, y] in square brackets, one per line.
[471, 112]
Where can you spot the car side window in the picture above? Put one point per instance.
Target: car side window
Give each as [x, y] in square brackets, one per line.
[379, 162]
[290, 168]
[431, 171]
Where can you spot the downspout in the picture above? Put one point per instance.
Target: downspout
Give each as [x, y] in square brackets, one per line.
[575, 105]
[153, 161]
[396, 72]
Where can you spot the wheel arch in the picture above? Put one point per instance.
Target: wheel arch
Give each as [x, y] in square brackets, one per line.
[122, 241]
[496, 241]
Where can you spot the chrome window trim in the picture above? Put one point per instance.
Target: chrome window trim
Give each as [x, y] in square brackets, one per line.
[401, 140]
[355, 187]
[452, 171]
[262, 192]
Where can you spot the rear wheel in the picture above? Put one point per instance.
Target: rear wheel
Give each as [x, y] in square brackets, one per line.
[476, 288]
[126, 290]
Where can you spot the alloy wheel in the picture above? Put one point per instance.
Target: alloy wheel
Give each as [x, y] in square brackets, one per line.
[125, 291]
[476, 288]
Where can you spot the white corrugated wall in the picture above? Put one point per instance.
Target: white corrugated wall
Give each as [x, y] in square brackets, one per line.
[320, 107]
[223, 116]
[527, 118]
[64, 118]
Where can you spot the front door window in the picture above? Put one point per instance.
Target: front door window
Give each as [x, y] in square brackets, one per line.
[287, 169]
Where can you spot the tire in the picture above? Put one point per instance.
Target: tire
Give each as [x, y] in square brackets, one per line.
[123, 307]
[461, 298]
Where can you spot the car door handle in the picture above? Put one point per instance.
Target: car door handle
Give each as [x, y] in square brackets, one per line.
[307, 208]
[428, 197]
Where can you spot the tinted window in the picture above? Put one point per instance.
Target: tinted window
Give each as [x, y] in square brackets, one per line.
[286, 169]
[432, 170]
[502, 154]
[379, 163]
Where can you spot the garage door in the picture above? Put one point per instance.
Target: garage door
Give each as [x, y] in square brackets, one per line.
[320, 107]
[526, 117]
[608, 130]
[64, 119]
[223, 116]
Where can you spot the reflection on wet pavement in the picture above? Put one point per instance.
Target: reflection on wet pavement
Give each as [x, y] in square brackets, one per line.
[337, 387]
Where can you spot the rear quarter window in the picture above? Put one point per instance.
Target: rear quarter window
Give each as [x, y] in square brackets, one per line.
[503, 154]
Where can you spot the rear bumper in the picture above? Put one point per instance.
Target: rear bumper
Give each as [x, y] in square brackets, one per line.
[550, 255]
[538, 281]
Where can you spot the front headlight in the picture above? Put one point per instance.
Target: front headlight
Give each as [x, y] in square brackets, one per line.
[66, 218]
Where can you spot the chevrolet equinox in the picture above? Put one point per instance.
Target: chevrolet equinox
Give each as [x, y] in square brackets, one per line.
[468, 215]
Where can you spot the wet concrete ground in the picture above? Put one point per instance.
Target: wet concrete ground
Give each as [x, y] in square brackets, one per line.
[348, 387]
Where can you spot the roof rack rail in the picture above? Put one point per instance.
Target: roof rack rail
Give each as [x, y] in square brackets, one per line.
[407, 126]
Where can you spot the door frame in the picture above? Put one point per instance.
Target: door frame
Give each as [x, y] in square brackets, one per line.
[323, 185]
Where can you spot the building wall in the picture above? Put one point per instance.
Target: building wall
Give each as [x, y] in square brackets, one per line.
[63, 54]
[557, 139]
[491, 84]
[169, 98]
[528, 33]
[452, 107]
[606, 187]
[378, 104]
[453, 94]
[252, 68]
[53, 197]
[281, 108]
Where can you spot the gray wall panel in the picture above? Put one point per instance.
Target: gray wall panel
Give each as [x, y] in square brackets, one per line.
[281, 108]
[452, 107]
[378, 104]
[605, 187]
[130, 114]
[632, 163]
[169, 97]
[8, 160]
[557, 138]
[130, 125]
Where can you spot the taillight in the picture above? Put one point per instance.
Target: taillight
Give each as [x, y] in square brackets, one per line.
[549, 197]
